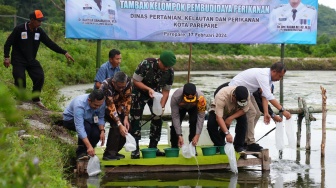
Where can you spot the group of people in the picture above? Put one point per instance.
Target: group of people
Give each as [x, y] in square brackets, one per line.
[120, 100]
[124, 102]
[244, 98]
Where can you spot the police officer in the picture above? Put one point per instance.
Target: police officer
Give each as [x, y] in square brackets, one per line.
[191, 100]
[293, 16]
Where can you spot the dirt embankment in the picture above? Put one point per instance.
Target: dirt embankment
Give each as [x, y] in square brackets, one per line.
[211, 62]
[44, 120]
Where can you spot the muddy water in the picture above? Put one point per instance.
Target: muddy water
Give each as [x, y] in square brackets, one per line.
[296, 168]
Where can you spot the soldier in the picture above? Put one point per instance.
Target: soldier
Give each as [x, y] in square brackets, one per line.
[293, 16]
[152, 75]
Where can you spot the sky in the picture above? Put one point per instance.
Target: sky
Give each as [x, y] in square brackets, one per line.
[328, 3]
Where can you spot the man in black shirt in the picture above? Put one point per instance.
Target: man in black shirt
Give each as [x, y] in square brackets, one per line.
[25, 40]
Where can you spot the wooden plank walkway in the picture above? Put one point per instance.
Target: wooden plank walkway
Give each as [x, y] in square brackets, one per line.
[178, 164]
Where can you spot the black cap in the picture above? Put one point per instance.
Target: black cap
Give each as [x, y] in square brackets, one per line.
[189, 92]
[189, 89]
[241, 94]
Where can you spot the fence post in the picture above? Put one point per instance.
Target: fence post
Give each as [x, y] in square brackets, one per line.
[324, 117]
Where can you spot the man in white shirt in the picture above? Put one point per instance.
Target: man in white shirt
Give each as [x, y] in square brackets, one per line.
[253, 79]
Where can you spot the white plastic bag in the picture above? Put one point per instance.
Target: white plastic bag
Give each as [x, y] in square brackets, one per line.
[157, 108]
[279, 136]
[188, 150]
[230, 152]
[130, 144]
[290, 132]
[93, 167]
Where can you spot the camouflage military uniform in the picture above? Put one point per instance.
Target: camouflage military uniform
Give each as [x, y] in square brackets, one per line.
[148, 73]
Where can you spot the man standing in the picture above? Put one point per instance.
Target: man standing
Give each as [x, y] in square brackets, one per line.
[152, 75]
[25, 41]
[293, 16]
[253, 79]
[118, 92]
[109, 68]
[85, 114]
[187, 99]
[230, 103]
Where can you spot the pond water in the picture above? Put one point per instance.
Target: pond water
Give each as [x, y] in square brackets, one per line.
[296, 168]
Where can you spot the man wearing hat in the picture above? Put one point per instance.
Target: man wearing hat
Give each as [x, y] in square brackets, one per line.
[262, 78]
[152, 75]
[191, 100]
[230, 103]
[25, 41]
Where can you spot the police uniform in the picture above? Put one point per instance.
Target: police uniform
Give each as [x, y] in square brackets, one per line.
[282, 19]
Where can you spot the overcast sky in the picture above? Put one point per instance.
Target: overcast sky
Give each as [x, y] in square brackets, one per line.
[328, 3]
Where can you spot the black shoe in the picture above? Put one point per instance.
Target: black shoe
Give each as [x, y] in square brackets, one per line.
[254, 147]
[245, 146]
[120, 156]
[239, 149]
[110, 158]
[83, 156]
[160, 153]
[135, 154]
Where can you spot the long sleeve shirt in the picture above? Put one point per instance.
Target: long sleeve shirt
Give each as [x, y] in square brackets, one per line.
[177, 102]
[253, 79]
[79, 110]
[25, 43]
[117, 102]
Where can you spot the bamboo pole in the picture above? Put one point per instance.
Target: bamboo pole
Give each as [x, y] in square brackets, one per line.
[324, 117]
[189, 62]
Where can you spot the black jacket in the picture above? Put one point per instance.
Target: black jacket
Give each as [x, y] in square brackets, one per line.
[25, 44]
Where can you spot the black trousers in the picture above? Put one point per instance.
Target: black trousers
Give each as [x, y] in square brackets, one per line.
[218, 137]
[192, 125]
[92, 131]
[35, 72]
[115, 141]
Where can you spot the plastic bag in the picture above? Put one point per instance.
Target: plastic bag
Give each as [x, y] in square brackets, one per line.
[230, 152]
[157, 108]
[130, 144]
[93, 167]
[290, 132]
[188, 150]
[279, 136]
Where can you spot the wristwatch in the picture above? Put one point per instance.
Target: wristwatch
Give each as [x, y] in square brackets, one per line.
[282, 109]
[226, 133]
